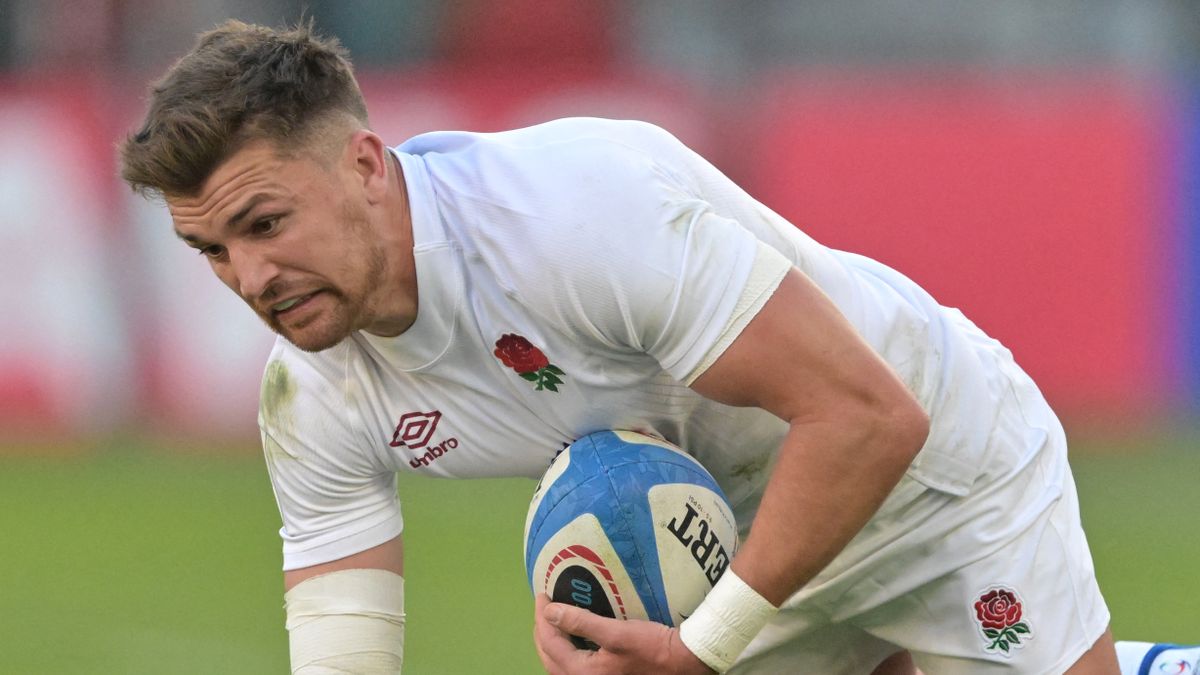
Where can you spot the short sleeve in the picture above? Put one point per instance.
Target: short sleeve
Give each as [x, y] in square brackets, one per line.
[334, 499]
[766, 273]
[725, 276]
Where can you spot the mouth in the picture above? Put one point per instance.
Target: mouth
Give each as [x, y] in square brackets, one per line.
[291, 305]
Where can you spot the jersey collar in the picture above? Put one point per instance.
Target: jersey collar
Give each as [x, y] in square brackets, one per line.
[439, 279]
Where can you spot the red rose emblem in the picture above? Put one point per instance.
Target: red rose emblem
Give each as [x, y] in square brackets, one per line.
[999, 614]
[528, 361]
[998, 609]
[517, 353]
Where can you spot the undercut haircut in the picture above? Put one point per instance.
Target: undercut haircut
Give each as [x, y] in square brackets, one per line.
[239, 83]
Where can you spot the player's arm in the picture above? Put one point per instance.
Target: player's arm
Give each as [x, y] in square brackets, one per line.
[386, 556]
[347, 616]
[854, 428]
[341, 522]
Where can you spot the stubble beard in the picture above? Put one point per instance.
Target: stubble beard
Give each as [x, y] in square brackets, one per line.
[324, 331]
[350, 310]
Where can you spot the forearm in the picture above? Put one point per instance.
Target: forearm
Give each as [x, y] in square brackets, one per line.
[830, 478]
[828, 482]
[348, 621]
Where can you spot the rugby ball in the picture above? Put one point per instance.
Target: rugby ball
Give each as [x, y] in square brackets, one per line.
[628, 526]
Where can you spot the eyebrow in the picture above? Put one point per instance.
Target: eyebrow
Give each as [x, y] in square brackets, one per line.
[233, 220]
[246, 209]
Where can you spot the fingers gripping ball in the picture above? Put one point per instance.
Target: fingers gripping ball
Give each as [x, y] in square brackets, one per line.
[629, 527]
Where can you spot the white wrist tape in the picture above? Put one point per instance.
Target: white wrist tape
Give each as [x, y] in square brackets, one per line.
[349, 621]
[725, 622]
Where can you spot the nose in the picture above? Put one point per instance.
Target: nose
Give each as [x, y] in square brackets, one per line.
[253, 271]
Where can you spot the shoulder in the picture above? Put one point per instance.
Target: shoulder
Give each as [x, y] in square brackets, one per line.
[568, 162]
[561, 188]
[572, 209]
[578, 132]
[296, 384]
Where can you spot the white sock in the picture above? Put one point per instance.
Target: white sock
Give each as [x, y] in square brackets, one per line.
[1148, 658]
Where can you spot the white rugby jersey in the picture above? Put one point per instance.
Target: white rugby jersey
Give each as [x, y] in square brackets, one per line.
[576, 276]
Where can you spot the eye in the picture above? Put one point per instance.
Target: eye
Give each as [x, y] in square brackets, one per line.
[212, 252]
[265, 225]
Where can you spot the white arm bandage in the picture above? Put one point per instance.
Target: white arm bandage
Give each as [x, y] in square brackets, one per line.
[725, 622]
[350, 621]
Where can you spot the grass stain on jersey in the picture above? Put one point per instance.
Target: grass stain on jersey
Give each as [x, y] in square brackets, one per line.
[278, 392]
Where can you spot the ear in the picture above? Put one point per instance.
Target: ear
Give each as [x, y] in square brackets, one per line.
[368, 156]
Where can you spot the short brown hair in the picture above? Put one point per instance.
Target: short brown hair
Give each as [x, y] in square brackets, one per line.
[240, 82]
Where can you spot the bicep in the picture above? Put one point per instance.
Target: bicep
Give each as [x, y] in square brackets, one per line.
[801, 359]
[386, 556]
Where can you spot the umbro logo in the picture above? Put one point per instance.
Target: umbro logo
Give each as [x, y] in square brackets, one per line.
[415, 429]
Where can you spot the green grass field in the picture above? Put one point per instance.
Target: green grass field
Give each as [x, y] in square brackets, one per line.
[137, 559]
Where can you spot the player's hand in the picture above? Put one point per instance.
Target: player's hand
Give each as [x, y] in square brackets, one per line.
[626, 647]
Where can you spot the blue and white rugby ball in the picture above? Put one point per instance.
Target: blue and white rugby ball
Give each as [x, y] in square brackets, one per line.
[629, 527]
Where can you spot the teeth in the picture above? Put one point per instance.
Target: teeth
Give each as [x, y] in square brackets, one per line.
[286, 305]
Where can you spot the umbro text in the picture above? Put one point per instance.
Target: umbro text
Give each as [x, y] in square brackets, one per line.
[433, 453]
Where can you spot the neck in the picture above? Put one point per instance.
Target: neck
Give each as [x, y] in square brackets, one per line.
[396, 296]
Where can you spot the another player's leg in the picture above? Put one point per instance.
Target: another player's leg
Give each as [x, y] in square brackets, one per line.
[1148, 658]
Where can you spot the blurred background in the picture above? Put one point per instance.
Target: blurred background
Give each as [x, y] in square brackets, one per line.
[1035, 163]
